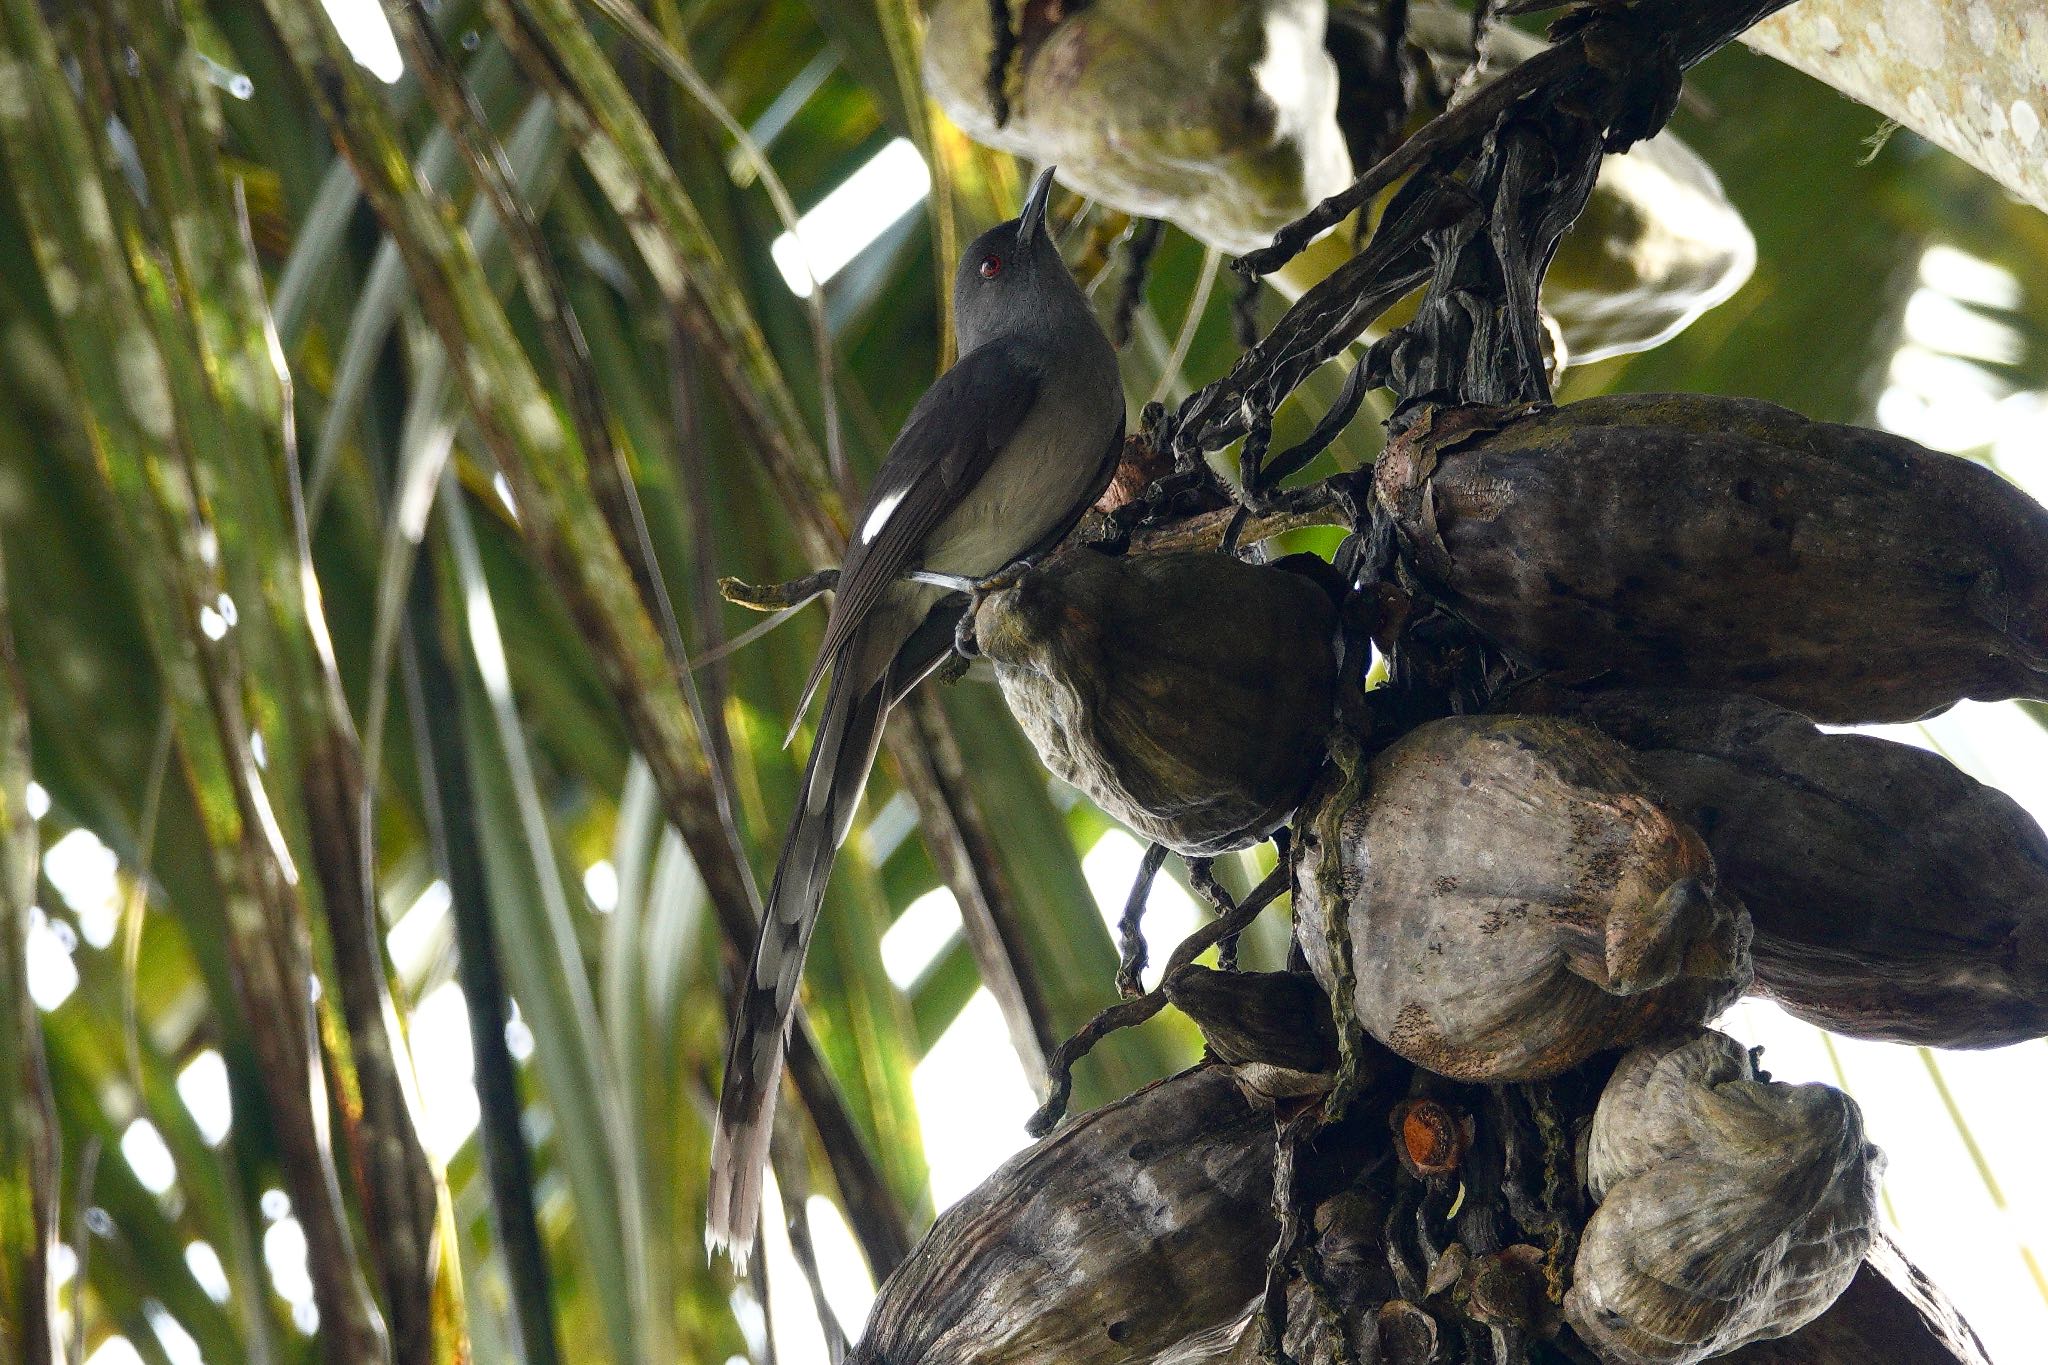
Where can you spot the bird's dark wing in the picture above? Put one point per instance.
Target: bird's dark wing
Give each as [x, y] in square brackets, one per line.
[954, 433]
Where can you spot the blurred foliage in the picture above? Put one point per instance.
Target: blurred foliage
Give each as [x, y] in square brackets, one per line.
[454, 613]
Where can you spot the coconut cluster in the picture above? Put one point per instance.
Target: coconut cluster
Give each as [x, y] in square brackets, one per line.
[1514, 928]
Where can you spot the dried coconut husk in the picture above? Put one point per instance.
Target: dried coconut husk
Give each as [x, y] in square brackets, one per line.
[1731, 1209]
[1893, 896]
[1137, 1232]
[1189, 695]
[1691, 541]
[1512, 901]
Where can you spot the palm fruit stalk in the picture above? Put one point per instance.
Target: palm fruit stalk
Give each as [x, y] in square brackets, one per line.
[1189, 695]
[1893, 896]
[1681, 540]
[1504, 900]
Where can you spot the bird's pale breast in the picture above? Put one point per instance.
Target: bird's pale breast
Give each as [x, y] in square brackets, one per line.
[1052, 463]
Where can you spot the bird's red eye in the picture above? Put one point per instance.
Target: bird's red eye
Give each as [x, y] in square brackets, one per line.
[991, 266]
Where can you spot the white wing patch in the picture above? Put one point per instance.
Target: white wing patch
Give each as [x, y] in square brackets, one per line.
[879, 518]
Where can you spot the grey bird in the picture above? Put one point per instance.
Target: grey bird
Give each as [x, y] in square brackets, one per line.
[996, 463]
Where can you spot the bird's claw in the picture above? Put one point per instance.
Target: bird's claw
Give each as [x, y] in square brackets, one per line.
[1003, 579]
[965, 646]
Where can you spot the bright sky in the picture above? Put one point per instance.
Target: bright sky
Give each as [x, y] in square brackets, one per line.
[848, 220]
[363, 27]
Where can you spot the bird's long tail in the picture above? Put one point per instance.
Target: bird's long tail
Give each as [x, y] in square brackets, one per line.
[838, 768]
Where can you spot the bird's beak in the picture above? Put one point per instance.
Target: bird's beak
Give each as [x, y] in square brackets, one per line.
[1033, 218]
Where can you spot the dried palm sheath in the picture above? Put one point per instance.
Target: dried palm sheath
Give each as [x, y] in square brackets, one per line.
[1505, 900]
[1189, 695]
[1691, 541]
[1892, 895]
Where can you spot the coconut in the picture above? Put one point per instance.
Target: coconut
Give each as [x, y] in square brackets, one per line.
[1732, 1209]
[1680, 540]
[1505, 899]
[1189, 695]
[1893, 896]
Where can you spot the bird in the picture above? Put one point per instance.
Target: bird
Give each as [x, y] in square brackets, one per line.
[993, 467]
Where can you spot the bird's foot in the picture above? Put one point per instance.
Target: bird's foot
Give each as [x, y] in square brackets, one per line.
[951, 582]
[978, 590]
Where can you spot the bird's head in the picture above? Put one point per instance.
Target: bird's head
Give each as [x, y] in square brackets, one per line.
[1011, 278]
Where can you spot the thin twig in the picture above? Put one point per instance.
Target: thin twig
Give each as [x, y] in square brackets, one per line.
[1202, 877]
[1320, 504]
[776, 596]
[1134, 1012]
[1325, 320]
[1130, 929]
[1328, 427]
